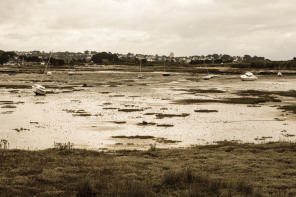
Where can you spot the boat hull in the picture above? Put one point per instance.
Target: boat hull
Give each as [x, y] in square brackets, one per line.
[39, 90]
[246, 78]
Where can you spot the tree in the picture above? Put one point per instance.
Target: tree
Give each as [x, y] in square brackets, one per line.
[99, 57]
[56, 62]
[247, 58]
[226, 58]
[33, 59]
[5, 56]
[216, 56]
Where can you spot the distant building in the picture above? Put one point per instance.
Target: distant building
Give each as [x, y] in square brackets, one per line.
[172, 55]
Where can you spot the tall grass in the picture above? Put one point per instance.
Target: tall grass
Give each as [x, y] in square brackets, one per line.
[194, 185]
[119, 187]
[87, 189]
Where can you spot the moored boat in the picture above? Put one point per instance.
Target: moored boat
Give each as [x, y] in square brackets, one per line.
[140, 75]
[165, 73]
[39, 89]
[208, 77]
[248, 76]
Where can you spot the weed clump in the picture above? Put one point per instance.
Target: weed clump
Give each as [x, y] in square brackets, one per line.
[86, 189]
[189, 183]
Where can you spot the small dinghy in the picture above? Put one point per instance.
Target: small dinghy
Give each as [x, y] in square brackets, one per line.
[39, 89]
[248, 76]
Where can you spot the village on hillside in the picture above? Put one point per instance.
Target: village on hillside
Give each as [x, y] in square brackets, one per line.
[23, 57]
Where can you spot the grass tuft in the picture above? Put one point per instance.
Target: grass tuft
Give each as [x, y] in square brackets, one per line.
[87, 189]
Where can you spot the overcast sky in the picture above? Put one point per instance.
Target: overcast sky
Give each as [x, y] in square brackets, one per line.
[186, 27]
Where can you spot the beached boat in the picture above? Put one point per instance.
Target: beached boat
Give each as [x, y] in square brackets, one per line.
[70, 72]
[165, 73]
[140, 75]
[37, 88]
[248, 76]
[208, 77]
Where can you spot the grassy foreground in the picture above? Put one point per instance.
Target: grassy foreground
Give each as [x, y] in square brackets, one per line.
[225, 169]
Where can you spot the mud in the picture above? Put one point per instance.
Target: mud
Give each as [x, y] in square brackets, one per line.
[181, 108]
[205, 111]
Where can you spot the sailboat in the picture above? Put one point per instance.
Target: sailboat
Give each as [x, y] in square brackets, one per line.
[279, 74]
[37, 88]
[70, 72]
[208, 76]
[248, 76]
[165, 73]
[140, 75]
[49, 73]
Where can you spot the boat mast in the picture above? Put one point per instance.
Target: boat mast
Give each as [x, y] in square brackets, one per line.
[47, 65]
[140, 66]
[206, 66]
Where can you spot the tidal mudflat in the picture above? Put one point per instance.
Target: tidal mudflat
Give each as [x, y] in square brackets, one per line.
[115, 110]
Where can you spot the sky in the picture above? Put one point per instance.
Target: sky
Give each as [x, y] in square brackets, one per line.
[186, 27]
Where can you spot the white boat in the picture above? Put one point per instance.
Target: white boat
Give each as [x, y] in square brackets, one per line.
[70, 72]
[208, 77]
[279, 74]
[39, 89]
[248, 76]
[140, 75]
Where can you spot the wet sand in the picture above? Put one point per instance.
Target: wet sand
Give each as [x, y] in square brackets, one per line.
[115, 110]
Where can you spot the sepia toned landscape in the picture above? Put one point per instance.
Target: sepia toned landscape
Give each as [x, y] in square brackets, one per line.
[105, 132]
[138, 98]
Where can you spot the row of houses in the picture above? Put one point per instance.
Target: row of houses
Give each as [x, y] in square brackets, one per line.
[157, 58]
[68, 56]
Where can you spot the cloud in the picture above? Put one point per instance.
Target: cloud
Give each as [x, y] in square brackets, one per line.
[187, 27]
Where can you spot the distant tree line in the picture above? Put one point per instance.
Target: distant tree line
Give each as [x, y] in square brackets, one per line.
[104, 57]
[12, 56]
[246, 61]
[5, 56]
[274, 65]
